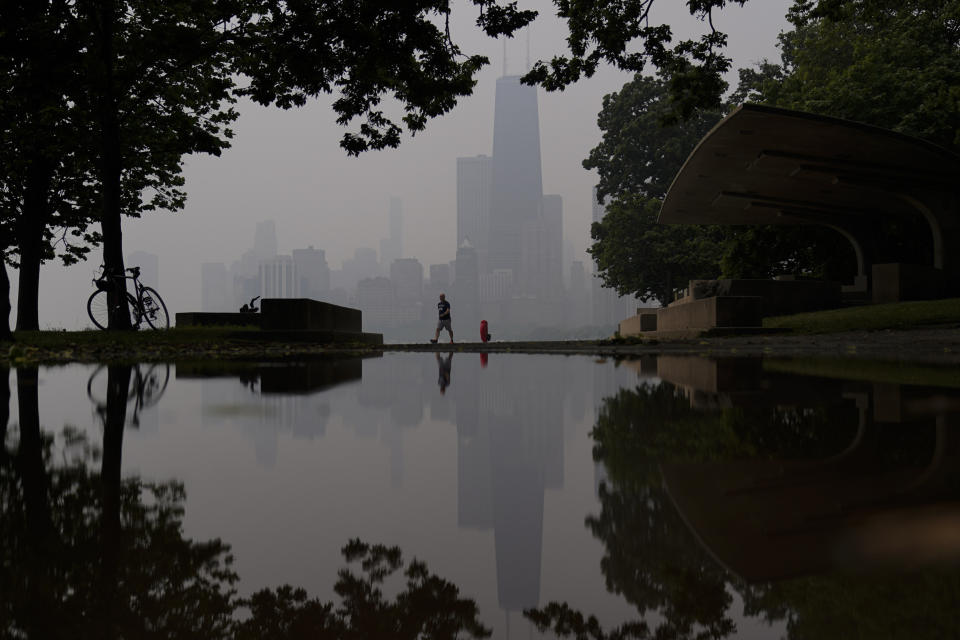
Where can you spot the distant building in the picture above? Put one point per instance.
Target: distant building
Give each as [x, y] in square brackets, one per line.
[391, 248]
[496, 286]
[149, 264]
[407, 277]
[551, 248]
[313, 272]
[245, 277]
[467, 285]
[473, 203]
[362, 265]
[215, 292]
[377, 299]
[439, 275]
[516, 180]
[265, 240]
[578, 297]
[279, 278]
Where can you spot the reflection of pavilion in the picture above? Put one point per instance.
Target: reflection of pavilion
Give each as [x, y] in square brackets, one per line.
[510, 451]
[882, 501]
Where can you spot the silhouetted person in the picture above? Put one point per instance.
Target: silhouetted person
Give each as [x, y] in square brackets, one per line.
[443, 322]
[444, 365]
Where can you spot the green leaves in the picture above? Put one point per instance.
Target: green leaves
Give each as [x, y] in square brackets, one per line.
[620, 33]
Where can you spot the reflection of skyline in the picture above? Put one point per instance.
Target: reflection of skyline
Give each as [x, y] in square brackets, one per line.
[510, 450]
[510, 438]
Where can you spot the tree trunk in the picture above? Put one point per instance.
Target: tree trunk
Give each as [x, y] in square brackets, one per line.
[30, 457]
[118, 382]
[30, 228]
[5, 333]
[4, 411]
[104, 22]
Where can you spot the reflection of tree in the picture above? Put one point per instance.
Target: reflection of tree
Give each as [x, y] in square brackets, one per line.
[87, 553]
[429, 606]
[651, 558]
[654, 561]
[885, 606]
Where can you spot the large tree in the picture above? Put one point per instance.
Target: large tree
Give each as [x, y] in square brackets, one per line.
[635, 255]
[622, 34]
[175, 62]
[636, 159]
[45, 194]
[129, 87]
[893, 64]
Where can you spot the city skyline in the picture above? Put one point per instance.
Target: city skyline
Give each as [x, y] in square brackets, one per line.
[287, 166]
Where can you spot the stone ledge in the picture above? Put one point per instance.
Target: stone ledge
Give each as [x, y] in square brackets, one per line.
[216, 319]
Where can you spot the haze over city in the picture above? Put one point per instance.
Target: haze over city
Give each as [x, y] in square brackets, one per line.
[287, 166]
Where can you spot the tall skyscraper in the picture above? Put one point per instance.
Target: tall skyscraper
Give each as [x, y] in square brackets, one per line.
[516, 181]
[406, 274]
[467, 285]
[279, 278]
[313, 271]
[215, 295]
[551, 247]
[473, 204]
[391, 248]
[265, 240]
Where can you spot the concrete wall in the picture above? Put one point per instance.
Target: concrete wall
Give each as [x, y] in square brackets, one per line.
[304, 314]
[635, 325]
[780, 297]
[709, 313]
[896, 281]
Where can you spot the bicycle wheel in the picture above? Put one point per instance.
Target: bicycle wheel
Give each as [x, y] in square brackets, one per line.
[97, 386]
[97, 308]
[154, 310]
[99, 311]
[150, 384]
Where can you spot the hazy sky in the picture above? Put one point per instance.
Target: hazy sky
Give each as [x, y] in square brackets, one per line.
[288, 166]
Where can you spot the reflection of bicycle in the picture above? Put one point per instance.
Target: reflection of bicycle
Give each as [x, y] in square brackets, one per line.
[147, 384]
[146, 305]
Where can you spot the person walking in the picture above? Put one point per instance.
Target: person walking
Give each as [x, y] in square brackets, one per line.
[443, 322]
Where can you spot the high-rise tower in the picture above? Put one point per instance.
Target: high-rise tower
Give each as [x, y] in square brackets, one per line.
[473, 204]
[391, 248]
[516, 181]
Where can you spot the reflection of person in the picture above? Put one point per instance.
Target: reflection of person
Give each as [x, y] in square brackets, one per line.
[443, 322]
[444, 365]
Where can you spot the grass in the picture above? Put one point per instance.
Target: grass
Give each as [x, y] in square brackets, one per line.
[176, 336]
[50, 347]
[899, 315]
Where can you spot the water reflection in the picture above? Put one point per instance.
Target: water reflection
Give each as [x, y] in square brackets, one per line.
[828, 504]
[92, 554]
[720, 495]
[148, 382]
[444, 367]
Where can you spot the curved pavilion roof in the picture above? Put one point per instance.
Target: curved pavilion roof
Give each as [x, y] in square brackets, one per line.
[764, 165]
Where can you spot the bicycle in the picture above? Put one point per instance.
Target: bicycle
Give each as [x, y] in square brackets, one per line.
[147, 384]
[146, 305]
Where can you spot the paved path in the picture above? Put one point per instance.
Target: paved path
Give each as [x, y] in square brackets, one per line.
[933, 344]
